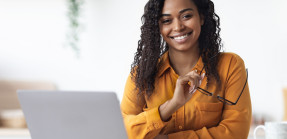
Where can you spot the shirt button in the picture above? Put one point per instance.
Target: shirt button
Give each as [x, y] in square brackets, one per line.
[180, 127]
[156, 125]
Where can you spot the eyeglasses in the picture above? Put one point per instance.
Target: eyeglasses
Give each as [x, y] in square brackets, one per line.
[228, 102]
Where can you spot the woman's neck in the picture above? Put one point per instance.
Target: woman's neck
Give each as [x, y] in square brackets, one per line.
[183, 61]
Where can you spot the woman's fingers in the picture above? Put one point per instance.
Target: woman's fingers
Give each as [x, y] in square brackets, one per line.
[191, 89]
[192, 79]
[185, 87]
[201, 78]
[194, 75]
[183, 80]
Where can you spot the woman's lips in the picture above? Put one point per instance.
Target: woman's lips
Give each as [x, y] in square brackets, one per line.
[181, 38]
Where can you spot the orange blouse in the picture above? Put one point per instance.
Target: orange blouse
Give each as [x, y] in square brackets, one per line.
[202, 116]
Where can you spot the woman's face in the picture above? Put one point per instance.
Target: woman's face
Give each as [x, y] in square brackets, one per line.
[180, 24]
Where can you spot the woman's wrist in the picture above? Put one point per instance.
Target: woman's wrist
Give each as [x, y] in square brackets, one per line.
[163, 111]
[167, 109]
[175, 104]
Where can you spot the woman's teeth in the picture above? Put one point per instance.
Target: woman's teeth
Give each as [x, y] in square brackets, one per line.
[181, 37]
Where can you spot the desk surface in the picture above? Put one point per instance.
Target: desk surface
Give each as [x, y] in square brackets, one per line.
[15, 137]
[14, 131]
[23, 133]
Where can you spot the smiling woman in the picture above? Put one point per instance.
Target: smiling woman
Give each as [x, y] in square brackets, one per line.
[177, 61]
[180, 28]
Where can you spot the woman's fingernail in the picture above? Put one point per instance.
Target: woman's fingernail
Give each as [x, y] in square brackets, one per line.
[202, 76]
[191, 91]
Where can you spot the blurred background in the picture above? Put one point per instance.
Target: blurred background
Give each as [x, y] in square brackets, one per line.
[41, 49]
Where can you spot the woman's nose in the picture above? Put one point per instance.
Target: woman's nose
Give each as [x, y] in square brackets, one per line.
[178, 26]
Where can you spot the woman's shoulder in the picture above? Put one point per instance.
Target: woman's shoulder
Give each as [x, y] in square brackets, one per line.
[230, 56]
[229, 59]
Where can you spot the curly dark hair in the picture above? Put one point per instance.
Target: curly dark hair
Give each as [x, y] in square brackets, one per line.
[151, 46]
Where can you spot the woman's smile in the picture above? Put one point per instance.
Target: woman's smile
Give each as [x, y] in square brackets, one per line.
[181, 38]
[180, 25]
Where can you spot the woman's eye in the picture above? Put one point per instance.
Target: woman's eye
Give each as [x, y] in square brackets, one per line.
[187, 16]
[165, 21]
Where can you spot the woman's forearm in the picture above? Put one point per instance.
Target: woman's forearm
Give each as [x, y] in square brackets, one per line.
[167, 109]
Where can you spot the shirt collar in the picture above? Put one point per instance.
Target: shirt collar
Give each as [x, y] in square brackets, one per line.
[164, 64]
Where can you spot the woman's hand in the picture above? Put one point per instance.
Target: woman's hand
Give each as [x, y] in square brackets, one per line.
[185, 87]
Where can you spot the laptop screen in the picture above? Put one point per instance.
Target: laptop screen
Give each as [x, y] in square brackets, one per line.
[72, 115]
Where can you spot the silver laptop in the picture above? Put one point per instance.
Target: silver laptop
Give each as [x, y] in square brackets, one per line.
[72, 115]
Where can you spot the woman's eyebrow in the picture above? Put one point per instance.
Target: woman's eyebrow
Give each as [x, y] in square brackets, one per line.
[181, 11]
[165, 15]
[184, 10]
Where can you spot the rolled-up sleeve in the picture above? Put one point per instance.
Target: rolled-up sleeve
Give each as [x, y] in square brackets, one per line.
[139, 122]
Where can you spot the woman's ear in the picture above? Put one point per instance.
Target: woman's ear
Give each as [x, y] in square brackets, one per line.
[201, 20]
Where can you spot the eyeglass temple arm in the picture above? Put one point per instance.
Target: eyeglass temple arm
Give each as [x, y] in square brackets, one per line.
[243, 86]
[225, 100]
[200, 89]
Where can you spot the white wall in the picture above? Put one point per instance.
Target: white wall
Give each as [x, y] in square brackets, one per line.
[32, 34]
[32, 41]
[256, 30]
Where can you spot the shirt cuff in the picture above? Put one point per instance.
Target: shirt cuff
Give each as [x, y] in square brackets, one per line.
[154, 121]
